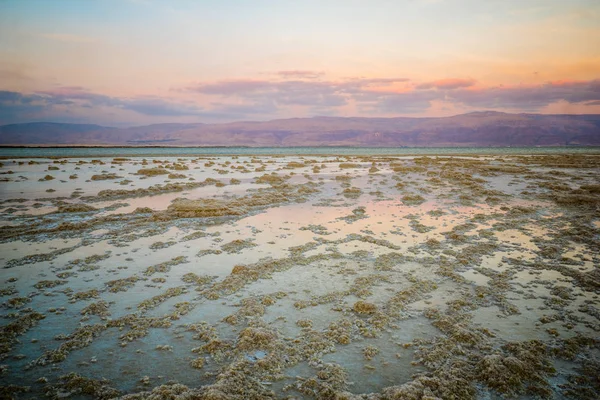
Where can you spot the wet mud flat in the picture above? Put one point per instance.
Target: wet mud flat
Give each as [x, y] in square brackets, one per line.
[300, 277]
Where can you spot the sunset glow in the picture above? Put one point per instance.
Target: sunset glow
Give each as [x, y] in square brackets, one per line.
[132, 62]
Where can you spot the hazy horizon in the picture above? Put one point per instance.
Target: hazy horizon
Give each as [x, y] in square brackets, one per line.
[125, 125]
[141, 62]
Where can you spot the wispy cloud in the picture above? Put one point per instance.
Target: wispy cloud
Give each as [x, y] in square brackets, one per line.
[528, 98]
[16, 106]
[263, 99]
[147, 105]
[447, 84]
[313, 93]
[151, 105]
[68, 38]
[14, 74]
[383, 95]
[300, 74]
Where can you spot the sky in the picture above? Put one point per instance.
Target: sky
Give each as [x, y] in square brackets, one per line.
[138, 62]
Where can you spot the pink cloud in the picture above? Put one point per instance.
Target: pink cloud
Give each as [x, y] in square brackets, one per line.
[565, 83]
[447, 84]
[242, 87]
[237, 99]
[300, 74]
[68, 91]
[231, 87]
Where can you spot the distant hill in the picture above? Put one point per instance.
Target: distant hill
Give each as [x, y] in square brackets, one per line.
[477, 129]
[50, 133]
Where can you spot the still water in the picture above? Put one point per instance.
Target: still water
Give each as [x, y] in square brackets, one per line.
[34, 152]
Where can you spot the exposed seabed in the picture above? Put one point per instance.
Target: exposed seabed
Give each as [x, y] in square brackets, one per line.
[301, 277]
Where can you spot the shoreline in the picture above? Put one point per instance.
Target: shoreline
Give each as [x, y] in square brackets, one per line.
[109, 146]
[23, 152]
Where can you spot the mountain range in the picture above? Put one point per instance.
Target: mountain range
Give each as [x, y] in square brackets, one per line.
[478, 129]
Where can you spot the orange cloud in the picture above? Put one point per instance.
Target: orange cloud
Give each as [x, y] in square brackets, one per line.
[300, 74]
[565, 83]
[230, 100]
[447, 84]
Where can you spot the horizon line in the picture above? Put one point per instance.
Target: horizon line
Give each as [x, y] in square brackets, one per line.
[295, 118]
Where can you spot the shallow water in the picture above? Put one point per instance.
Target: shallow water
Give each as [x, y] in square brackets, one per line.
[33, 152]
[358, 282]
